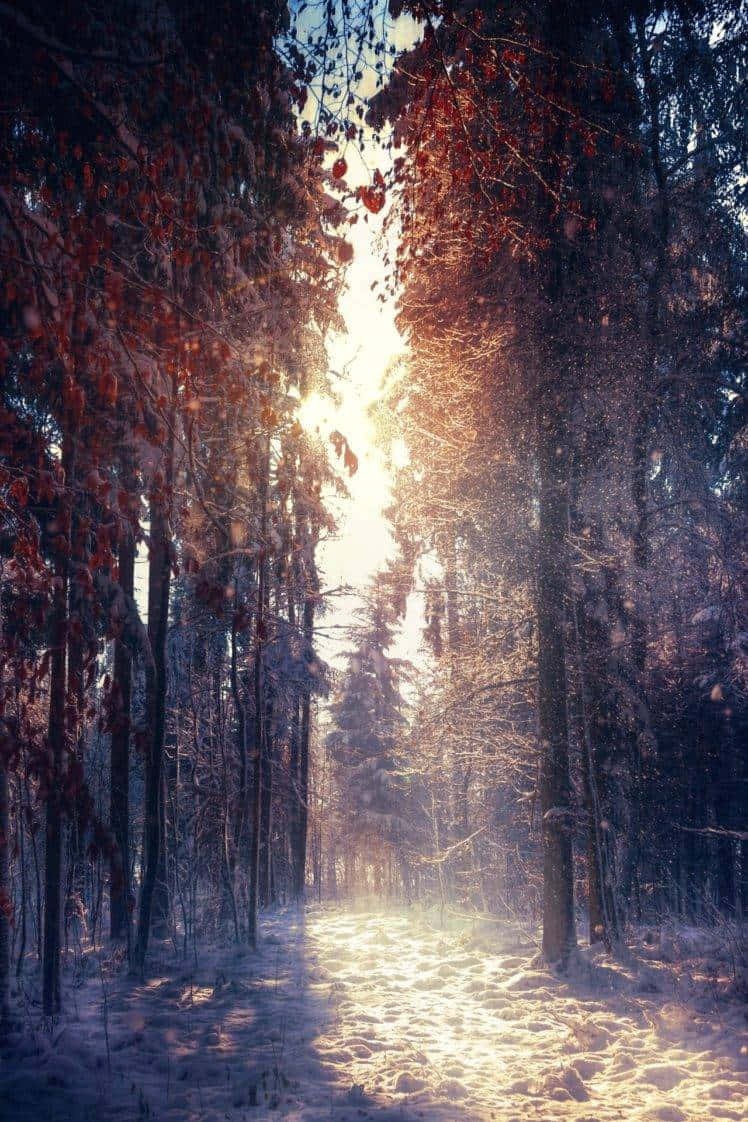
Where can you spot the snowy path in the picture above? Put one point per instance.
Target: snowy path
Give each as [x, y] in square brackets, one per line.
[350, 1016]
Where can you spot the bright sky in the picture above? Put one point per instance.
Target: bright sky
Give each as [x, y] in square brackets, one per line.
[363, 542]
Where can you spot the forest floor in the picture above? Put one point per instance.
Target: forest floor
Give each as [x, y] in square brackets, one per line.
[348, 1016]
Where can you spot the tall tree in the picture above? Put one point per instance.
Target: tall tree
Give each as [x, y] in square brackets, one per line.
[368, 729]
[120, 888]
[519, 186]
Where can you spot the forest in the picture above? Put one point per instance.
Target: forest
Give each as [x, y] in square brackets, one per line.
[373, 571]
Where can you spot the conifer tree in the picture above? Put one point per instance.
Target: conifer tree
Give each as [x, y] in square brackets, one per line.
[367, 740]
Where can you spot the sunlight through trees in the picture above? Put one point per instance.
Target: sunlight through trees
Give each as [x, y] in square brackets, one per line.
[372, 500]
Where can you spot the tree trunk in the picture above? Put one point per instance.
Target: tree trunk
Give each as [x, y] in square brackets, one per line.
[158, 610]
[301, 836]
[559, 936]
[725, 784]
[119, 869]
[5, 896]
[161, 906]
[310, 600]
[294, 809]
[593, 666]
[258, 747]
[239, 818]
[266, 809]
[159, 574]
[56, 741]
[5, 887]
[80, 627]
[640, 443]
[459, 786]
[555, 389]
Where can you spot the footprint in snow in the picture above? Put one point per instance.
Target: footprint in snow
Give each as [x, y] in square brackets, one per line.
[664, 1076]
[429, 982]
[361, 1051]
[564, 1085]
[407, 1083]
[588, 1067]
[452, 1089]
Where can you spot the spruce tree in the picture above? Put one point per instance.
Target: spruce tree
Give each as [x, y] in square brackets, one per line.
[369, 726]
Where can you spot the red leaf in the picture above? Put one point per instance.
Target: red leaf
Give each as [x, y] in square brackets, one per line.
[372, 199]
[350, 460]
[339, 168]
[342, 447]
[19, 491]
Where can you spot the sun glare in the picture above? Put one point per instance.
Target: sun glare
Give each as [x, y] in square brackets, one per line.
[314, 413]
[358, 361]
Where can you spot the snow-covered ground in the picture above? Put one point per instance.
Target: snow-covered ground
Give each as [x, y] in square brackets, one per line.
[346, 1015]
